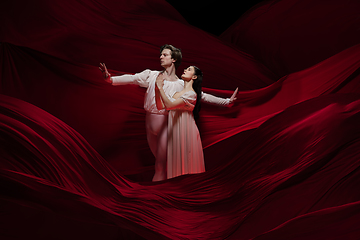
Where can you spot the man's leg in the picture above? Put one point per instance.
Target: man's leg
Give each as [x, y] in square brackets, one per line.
[156, 129]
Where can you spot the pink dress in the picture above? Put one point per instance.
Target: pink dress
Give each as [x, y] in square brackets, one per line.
[184, 152]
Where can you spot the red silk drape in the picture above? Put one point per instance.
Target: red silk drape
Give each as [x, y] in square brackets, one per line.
[282, 163]
[292, 35]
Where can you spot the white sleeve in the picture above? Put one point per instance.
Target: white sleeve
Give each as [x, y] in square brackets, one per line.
[208, 98]
[141, 79]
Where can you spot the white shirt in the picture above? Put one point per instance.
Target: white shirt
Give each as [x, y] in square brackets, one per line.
[147, 80]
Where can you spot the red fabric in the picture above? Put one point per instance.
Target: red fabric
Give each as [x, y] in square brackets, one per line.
[282, 163]
[291, 35]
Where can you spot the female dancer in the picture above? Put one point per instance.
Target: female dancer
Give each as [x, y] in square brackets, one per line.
[184, 149]
[156, 120]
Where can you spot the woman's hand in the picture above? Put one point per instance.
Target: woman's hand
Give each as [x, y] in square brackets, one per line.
[160, 80]
[233, 97]
[105, 72]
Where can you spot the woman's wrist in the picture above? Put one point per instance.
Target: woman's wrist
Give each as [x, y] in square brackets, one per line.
[158, 86]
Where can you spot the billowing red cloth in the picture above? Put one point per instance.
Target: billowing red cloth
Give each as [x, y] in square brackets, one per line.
[291, 35]
[282, 163]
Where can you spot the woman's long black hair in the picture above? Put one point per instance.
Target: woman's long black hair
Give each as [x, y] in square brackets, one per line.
[197, 88]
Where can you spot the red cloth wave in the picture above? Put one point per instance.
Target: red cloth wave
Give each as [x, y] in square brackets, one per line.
[291, 35]
[282, 163]
[299, 162]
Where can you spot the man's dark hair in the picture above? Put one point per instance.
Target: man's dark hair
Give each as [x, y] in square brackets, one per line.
[175, 54]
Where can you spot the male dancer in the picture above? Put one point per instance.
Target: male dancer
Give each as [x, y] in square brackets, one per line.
[156, 120]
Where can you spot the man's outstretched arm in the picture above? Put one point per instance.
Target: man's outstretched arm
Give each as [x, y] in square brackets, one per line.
[140, 79]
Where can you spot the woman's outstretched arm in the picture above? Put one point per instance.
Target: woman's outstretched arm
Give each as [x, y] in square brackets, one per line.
[208, 98]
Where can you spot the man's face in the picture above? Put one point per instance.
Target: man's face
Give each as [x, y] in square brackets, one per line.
[165, 58]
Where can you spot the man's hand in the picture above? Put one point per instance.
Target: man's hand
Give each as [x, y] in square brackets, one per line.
[105, 72]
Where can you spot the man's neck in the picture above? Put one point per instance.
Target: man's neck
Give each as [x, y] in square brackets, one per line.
[170, 73]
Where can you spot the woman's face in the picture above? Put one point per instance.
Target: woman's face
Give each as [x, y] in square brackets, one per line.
[189, 74]
[165, 58]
